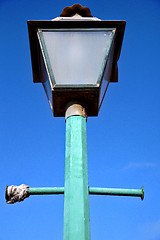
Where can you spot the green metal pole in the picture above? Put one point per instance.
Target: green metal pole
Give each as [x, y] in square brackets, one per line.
[76, 194]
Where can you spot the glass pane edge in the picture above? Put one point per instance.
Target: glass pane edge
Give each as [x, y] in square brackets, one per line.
[51, 104]
[76, 29]
[76, 86]
[46, 58]
[106, 56]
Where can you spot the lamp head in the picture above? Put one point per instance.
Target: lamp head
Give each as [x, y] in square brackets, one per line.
[75, 58]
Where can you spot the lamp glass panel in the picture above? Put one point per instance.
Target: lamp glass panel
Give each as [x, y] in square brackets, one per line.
[48, 91]
[45, 81]
[76, 57]
[107, 74]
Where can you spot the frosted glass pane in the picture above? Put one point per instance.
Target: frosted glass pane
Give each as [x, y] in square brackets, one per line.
[76, 57]
[48, 91]
[45, 81]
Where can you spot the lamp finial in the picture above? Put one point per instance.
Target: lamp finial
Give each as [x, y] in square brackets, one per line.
[76, 8]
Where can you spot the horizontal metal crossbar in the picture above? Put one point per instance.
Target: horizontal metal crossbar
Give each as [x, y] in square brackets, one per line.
[118, 192]
[46, 190]
[92, 191]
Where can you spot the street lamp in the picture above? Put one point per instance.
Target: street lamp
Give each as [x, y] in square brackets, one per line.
[75, 58]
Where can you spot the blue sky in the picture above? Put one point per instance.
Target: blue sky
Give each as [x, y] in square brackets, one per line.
[123, 141]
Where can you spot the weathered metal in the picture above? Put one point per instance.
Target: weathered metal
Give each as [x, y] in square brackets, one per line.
[46, 190]
[117, 192]
[76, 197]
[92, 191]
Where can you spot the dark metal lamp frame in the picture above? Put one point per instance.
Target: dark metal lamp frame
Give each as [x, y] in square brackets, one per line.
[87, 95]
